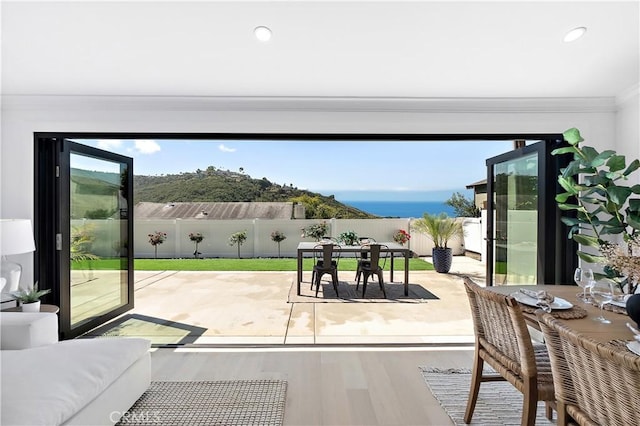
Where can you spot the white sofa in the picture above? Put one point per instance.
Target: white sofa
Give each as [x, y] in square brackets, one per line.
[74, 382]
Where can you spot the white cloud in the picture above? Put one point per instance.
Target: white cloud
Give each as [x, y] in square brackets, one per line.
[146, 146]
[224, 148]
[109, 144]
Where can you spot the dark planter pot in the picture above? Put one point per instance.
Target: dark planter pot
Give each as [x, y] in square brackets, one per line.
[442, 258]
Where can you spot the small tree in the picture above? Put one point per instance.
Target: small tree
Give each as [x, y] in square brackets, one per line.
[462, 206]
[238, 238]
[278, 237]
[197, 238]
[155, 239]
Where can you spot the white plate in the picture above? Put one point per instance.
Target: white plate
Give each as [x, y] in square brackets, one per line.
[558, 303]
[634, 347]
[618, 303]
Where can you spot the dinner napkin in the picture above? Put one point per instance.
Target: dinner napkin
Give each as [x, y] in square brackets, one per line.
[538, 295]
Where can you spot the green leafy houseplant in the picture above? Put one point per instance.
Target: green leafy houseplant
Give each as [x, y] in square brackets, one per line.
[30, 295]
[603, 206]
[350, 238]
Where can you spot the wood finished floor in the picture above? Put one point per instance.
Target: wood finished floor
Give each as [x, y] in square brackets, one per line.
[328, 386]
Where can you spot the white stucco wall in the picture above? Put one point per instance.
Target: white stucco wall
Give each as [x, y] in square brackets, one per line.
[628, 126]
[22, 116]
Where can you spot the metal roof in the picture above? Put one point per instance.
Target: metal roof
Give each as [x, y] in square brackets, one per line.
[214, 211]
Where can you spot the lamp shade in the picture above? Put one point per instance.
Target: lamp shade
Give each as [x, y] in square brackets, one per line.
[16, 236]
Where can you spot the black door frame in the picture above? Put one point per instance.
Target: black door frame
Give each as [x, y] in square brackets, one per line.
[52, 227]
[46, 193]
[553, 243]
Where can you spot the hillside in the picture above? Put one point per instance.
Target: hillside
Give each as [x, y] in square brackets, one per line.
[214, 185]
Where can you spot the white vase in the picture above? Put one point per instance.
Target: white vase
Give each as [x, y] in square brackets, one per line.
[31, 307]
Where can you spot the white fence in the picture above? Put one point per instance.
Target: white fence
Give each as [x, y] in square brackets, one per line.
[258, 244]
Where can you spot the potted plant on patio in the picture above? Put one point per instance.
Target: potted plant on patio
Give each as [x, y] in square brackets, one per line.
[440, 229]
[316, 231]
[602, 212]
[30, 298]
[401, 237]
[350, 238]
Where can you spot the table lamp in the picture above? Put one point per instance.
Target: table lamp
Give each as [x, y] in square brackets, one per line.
[16, 237]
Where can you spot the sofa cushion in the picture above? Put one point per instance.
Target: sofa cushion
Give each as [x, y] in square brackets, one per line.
[49, 384]
[22, 330]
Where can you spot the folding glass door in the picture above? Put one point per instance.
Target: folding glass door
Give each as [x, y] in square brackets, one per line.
[526, 242]
[84, 234]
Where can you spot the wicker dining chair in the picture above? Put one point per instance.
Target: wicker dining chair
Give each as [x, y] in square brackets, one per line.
[595, 383]
[502, 340]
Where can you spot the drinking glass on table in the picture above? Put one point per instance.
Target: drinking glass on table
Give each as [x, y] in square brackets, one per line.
[602, 292]
[584, 279]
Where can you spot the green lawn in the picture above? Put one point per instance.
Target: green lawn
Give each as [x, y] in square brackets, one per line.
[286, 264]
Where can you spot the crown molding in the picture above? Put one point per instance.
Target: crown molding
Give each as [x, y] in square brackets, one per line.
[631, 94]
[312, 104]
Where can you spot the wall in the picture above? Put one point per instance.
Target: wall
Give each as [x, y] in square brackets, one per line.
[628, 126]
[24, 115]
[258, 244]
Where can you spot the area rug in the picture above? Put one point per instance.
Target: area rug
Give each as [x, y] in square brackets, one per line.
[499, 403]
[348, 294]
[237, 402]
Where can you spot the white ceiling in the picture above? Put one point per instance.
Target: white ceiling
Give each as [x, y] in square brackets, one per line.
[424, 49]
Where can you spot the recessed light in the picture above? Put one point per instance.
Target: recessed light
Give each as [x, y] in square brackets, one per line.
[262, 33]
[574, 34]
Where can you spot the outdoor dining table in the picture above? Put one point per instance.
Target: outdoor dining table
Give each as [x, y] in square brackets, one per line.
[604, 333]
[391, 248]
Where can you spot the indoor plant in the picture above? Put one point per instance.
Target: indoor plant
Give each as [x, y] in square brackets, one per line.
[30, 298]
[600, 209]
[440, 229]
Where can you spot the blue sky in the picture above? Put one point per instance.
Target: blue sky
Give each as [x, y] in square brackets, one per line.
[351, 170]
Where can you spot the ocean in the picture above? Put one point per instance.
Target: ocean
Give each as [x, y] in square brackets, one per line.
[402, 209]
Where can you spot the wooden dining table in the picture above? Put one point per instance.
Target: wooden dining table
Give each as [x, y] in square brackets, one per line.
[390, 248]
[600, 332]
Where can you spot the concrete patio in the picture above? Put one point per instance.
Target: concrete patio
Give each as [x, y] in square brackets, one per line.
[252, 308]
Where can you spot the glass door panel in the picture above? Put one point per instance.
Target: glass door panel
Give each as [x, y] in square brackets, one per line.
[516, 221]
[84, 202]
[98, 258]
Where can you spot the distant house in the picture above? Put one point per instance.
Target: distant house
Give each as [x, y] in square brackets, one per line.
[217, 211]
[479, 193]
